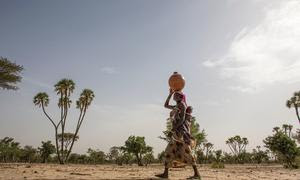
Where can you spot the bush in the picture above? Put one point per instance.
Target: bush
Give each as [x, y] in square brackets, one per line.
[284, 147]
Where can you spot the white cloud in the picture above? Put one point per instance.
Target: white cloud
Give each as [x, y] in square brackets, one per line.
[242, 89]
[210, 63]
[266, 54]
[109, 70]
[215, 102]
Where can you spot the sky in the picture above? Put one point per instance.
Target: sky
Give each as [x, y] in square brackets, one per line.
[240, 60]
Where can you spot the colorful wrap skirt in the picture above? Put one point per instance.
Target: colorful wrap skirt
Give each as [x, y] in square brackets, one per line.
[179, 150]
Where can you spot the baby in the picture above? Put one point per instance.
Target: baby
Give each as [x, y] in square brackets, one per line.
[188, 118]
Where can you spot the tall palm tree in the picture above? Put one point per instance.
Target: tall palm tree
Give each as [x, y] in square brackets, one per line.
[42, 100]
[64, 88]
[294, 102]
[84, 101]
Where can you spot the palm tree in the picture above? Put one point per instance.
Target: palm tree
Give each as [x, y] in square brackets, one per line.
[84, 101]
[294, 102]
[64, 88]
[42, 100]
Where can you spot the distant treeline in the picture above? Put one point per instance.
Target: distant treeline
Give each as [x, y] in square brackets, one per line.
[280, 147]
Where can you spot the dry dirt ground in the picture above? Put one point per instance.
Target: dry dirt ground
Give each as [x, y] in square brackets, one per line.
[71, 171]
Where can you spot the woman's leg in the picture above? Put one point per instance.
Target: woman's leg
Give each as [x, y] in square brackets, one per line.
[188, 158]
[170, 155]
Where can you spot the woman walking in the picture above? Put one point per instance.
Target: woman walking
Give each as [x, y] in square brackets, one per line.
[179, 148]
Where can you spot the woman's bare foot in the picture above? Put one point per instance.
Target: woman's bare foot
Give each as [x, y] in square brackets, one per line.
[195, 177]
[162, 175]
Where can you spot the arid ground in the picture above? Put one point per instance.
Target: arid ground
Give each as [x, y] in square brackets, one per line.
[54, 171]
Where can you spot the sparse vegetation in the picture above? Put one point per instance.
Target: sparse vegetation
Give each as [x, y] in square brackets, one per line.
[135, 150]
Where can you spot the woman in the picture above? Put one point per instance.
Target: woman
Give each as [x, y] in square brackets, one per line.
[178, 149]
[186, 130]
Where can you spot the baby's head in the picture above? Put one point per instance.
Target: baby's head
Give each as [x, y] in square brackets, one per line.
[189, 109]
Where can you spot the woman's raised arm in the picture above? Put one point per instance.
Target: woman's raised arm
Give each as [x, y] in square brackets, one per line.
[167, 105]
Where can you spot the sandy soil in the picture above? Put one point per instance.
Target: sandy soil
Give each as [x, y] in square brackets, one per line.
[54, 171]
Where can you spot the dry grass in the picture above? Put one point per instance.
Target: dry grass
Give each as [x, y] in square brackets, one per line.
[71, 171]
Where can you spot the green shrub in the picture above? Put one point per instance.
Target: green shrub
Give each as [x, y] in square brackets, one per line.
[284, 147]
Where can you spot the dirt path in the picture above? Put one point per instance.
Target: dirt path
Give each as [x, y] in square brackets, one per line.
[54, 171]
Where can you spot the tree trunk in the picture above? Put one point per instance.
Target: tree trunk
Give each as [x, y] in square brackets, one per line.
[62, 128]
[57, 149]
[56, 138]
[62, 142]
[76, 132]
[139, 160]
[297, 113]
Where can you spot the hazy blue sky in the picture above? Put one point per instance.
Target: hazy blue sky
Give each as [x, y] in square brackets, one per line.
[240, 59]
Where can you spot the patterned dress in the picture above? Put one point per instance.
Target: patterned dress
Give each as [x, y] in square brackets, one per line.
[179, 147]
